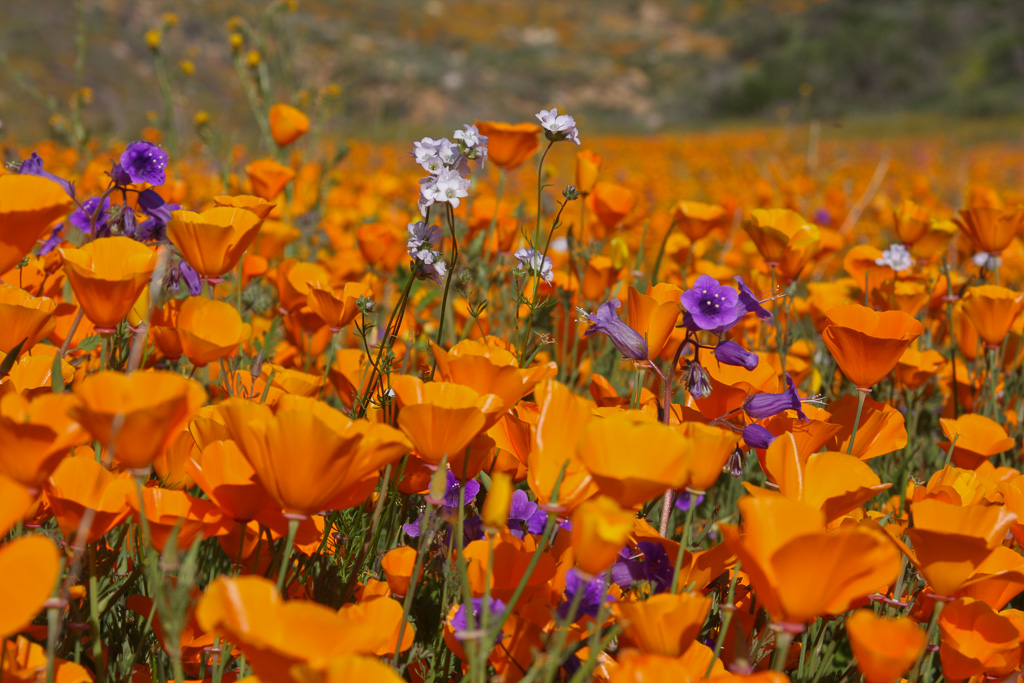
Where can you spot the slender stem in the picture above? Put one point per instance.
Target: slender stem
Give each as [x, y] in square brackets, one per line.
[862, 394]
[729, 608]
[293, 526]
[448, 279]
[94, 618]
[932, 624]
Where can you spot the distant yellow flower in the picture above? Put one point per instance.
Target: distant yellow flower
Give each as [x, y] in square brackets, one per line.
[237, 40]
[200, 119]
[253, 59]
[85, 95]
[170, 18]
[153, 39]
[187, 67]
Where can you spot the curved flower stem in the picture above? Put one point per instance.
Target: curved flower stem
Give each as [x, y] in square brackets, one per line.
[915, 674]
[782, 640]
[447, 280]
[729, 608]
[862, 394]
[540, 191]
[286, 556]
[426, 536]
[949, 454]
[683, 542]
[666, 418]
[390, 334]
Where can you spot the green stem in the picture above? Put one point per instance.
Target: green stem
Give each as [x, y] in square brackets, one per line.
[286, 554]
[729, 608]
[932, 624]
[862, 394]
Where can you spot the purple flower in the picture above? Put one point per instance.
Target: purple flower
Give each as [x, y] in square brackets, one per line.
[627, 340]
[34, 166]
[652, 565]
[698, 383]
[191, 278]
[683, 501]
[460, 621]
[141, 162]
[711, 306]
[731, 353]
[52, 241]
[522, 510]
[82, 219]
[750, 302]
[760, 406]
[734, 465]
[594, 593]
[451, 494]
[757, 436]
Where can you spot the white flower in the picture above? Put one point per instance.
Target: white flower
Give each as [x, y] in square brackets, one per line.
[896, 257]
[471, 137]
[983, 259]
[425, 149]
[536, 263]
[559, 127]
[421, 236]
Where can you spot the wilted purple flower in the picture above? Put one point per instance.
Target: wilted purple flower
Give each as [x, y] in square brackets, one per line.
[764, 404]
[750, 302]
[698, 383]
[627, 340]
[82, 218]
[757, 436]
[460, 622]
[536, 263]
[731, 353]
[558, 127]
[34, 166]
[652, 565]
[142, 162]
[191, 278]
[594, 593]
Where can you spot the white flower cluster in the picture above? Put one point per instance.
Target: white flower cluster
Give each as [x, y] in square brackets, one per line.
[535, 263]
[896, 257]
[428, 262]
[558, 127]
[447, 163]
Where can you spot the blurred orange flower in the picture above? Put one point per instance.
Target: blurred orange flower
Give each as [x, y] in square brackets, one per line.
[287, 124]
[509, 144]
[24, 319]
[209, 330]
[884, 648]
[992, 310]
[28, 205]
[599, 530]
[990, 229]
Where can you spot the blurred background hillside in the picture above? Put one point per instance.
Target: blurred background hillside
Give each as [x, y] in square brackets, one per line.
[398, 67]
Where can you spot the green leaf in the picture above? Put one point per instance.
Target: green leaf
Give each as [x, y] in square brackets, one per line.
[56, 377]
[90, 343]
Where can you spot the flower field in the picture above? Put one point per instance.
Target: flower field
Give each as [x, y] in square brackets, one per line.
[515, 404]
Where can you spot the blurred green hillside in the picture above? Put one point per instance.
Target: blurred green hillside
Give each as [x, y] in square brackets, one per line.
[406, 65]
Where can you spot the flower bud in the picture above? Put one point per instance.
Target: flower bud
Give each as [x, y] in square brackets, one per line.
[495, 512]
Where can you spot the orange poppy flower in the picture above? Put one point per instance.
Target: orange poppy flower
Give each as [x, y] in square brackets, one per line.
[599, 530]
[861, 264]
[976, 640]
[258, 205]
[697, 219]
[163, 329]
[605, 447]
[509, 144]
[997, 580]
[909, 296]
[654, 314]
[268, 177]
[784, 238]
[213, 241]
[26, 661]
[511, 556]
[916, 367]
[107, 276]
[192, 642]
[990, 229]
[81, 483]
[732, 384]
[598, 277]
[442, 418]
[950, 542]
[136, 416]
[910, 221]
[664, 624]
[397, 565]
[176, 514]
[560, 421]
[348, 374]
[866, 344]
[708, 449]
[24, 319]
[834, 483]
[295, 281]
[224, 474]
[274, 236]
[611, 203]
[588, 163]
[885, 649]
[338, 453]
[210, 330]
[489, 369]
[287, 124]
[28, 205]
[494, 514]
[336, 311]
[992, 310]
[882, 428]
[29, 569]
[978, 438]
[781, 534]
[284, 640]
[36, 436]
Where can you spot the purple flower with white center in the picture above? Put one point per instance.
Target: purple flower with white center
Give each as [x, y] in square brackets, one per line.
[536, 263]
[422, 238]
[731, 353]
[710, 306]
[34, 166]
[144, 162]
[627, 340]
[82, 218]
[650, 565]
[424, 149]
[757, 436]
[594, 593]
[764, 405]
[447, 186]
[558, 127]
[460, 620]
